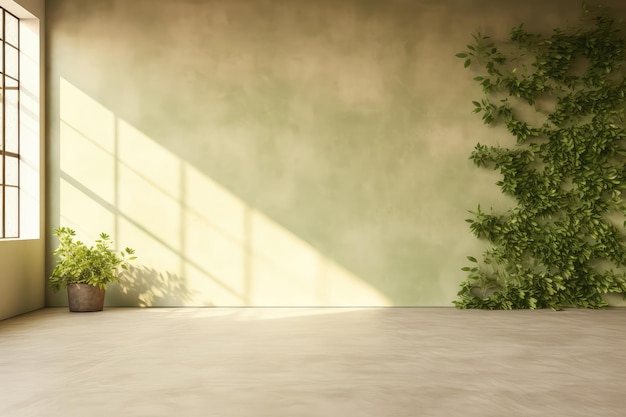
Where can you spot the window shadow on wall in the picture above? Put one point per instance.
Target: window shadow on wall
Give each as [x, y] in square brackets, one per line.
[197, 243]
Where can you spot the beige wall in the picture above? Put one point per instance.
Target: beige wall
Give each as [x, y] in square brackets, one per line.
[274, 152]
[22, 280]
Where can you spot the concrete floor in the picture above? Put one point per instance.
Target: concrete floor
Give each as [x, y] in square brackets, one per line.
[387, 362]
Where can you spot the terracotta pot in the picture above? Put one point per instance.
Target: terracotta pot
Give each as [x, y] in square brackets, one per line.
[85, 297]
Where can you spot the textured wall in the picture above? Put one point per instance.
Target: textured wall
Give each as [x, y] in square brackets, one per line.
[274, 152]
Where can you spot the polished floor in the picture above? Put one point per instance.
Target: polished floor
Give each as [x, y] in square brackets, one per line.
[274, 362]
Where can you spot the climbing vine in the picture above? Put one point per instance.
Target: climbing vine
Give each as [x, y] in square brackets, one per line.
[562, 98]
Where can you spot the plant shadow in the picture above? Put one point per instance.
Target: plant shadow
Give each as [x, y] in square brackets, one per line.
[144, 286]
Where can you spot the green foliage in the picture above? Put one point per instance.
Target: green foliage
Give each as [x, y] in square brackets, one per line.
[77, 263]
[559, 246]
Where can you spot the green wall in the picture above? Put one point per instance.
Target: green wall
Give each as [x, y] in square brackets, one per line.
[274, 152]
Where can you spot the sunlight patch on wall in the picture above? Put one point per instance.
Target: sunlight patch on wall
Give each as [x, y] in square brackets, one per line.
[87, 163]
[197, 243]
[148, 186]
[214, 234]
[87, 187]
[82, 212]
[88, 117]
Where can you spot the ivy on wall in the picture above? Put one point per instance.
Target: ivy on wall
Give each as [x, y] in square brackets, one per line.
[562, 98]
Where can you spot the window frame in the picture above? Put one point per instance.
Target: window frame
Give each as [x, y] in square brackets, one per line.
[9, 231]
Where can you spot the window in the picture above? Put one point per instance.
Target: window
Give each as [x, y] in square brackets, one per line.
[9, 126]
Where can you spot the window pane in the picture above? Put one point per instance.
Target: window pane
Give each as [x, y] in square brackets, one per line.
[11, 61]
[1, 117]
[11, 219]
[1, 13]
[10, 83]
[11, 29]
[11, 115]
[1, 212]
[11, 173]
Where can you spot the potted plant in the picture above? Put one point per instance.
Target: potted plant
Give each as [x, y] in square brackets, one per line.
[86, 270]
